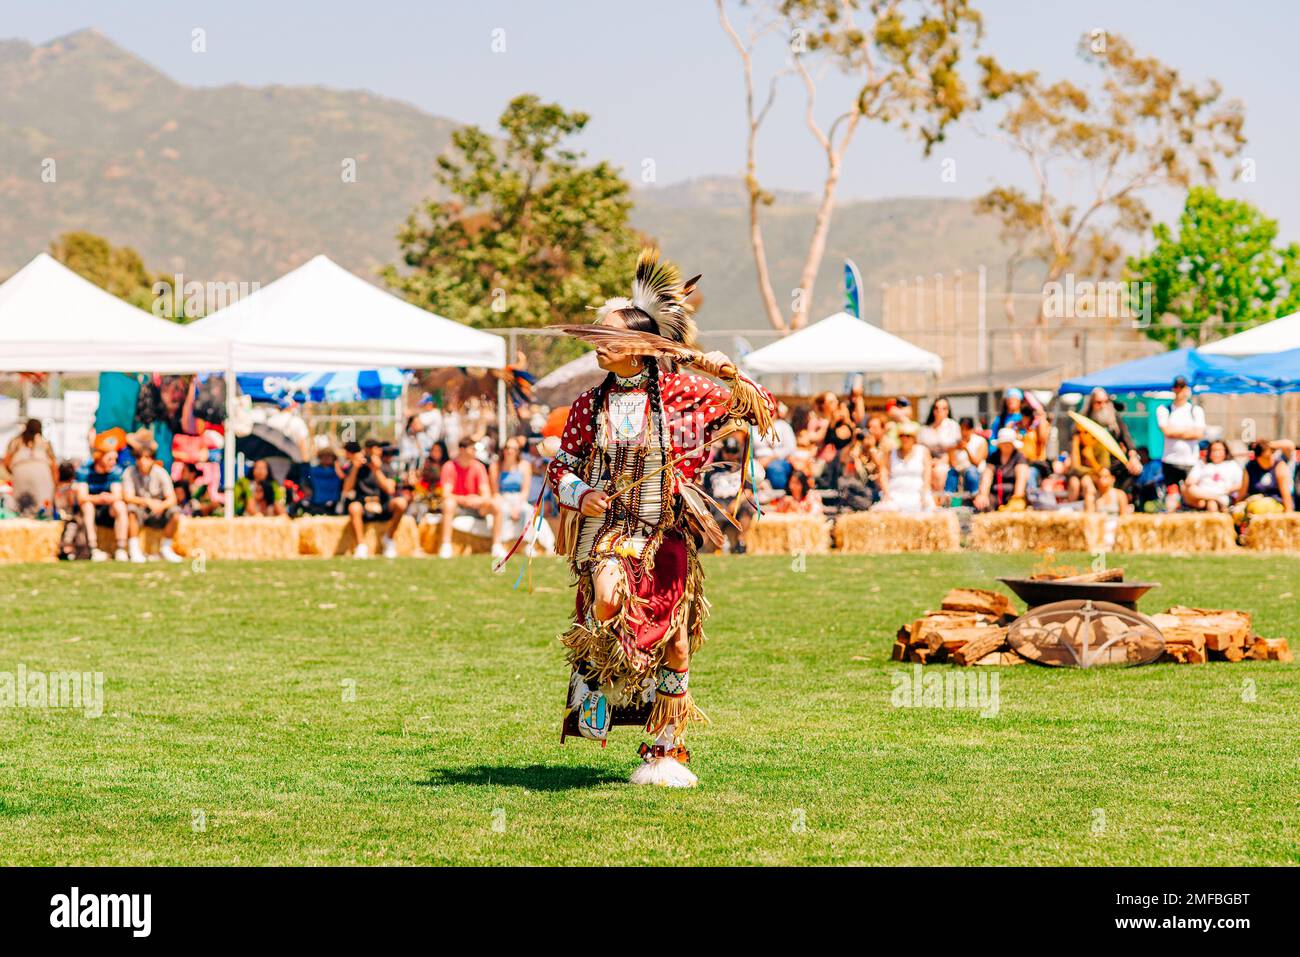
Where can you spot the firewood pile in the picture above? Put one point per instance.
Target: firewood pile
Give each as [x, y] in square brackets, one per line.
[1196, 635]
[970, 628]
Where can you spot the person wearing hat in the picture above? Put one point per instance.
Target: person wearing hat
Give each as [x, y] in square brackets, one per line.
[1004, 482]
[1183, 425]
[98, 486]
[1013, 401]
[151, 502]
[905, 474]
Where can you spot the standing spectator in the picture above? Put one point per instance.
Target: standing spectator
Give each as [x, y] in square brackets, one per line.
[905, 479]
[1183, 425]
[32, 469]
[465, 485]
[151, 502]
[371, 496]
[99, 497]
[1211, 484]
[1005, 480]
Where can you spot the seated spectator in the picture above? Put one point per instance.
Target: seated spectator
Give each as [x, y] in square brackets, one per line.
[466, 487]
[727, 482]
[857, 475]
[799, 498]
[1011, 411]
[1211, 485]
[371, 495]
[323, 488]
[965, 460]
[1106, 498]
[151, 502]
[1265, 488]
[1004, 483]
[193, 494]
[905, 477]
[940, 435]
[99, 499]
[259, 494]
[780, 442]
[33, 471]
[65, 491]
[512, 477]
[426, 484]
[1088, 456]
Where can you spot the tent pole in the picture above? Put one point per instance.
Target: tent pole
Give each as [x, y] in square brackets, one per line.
[501, 413]
[228, 456]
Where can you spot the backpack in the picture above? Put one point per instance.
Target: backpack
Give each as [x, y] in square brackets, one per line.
[74, 543]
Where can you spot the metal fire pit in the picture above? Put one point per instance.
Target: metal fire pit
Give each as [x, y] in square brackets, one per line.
[1045, 591]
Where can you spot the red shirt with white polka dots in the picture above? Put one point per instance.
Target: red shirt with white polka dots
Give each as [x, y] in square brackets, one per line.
[694, 404]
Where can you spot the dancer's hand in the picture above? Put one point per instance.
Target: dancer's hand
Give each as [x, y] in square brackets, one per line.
[594, 503]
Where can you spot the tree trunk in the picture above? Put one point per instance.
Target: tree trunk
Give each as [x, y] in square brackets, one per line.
[817, 245]
[770, 306]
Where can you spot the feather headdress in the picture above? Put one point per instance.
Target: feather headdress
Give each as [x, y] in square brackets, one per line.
[658, 291]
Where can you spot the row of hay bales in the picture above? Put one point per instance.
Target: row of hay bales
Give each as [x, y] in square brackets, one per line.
[261, 538]
[855, 533]
[889, 532]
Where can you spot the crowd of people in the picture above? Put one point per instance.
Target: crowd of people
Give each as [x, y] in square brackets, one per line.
[829, 456]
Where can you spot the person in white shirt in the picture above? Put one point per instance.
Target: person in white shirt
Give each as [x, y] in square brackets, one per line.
[780, 443]
[1211, 483]
[941, 435]
[1183, 425]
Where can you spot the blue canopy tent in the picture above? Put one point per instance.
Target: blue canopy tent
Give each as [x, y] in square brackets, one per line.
[1156, 374]
[348, 386]
[1278, 371]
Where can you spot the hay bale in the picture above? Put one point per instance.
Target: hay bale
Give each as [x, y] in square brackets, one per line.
[29, 540]
[867, 533]
[1274, 533]
[462, 542]
[778, 534]
[1037, 532]
[150, 539]
[1178, 532]
[332, 535]
[250, 537]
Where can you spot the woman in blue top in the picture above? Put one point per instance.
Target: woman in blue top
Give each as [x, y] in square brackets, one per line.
[511, 477]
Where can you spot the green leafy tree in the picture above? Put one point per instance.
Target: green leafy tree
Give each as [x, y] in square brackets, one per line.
[527, 234]
[117, 269]
[1140, 126]
[1223, 272]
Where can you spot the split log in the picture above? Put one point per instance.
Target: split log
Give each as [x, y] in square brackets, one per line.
[990, 639]
[980, 600]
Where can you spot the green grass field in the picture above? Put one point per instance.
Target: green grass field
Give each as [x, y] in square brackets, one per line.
[226, 736]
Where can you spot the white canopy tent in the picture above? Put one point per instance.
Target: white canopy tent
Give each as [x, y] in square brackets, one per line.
[53, 320]
[320, 317]
[842, 343]
[1280, 335]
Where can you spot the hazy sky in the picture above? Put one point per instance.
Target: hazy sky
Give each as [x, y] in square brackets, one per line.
[663, 83]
